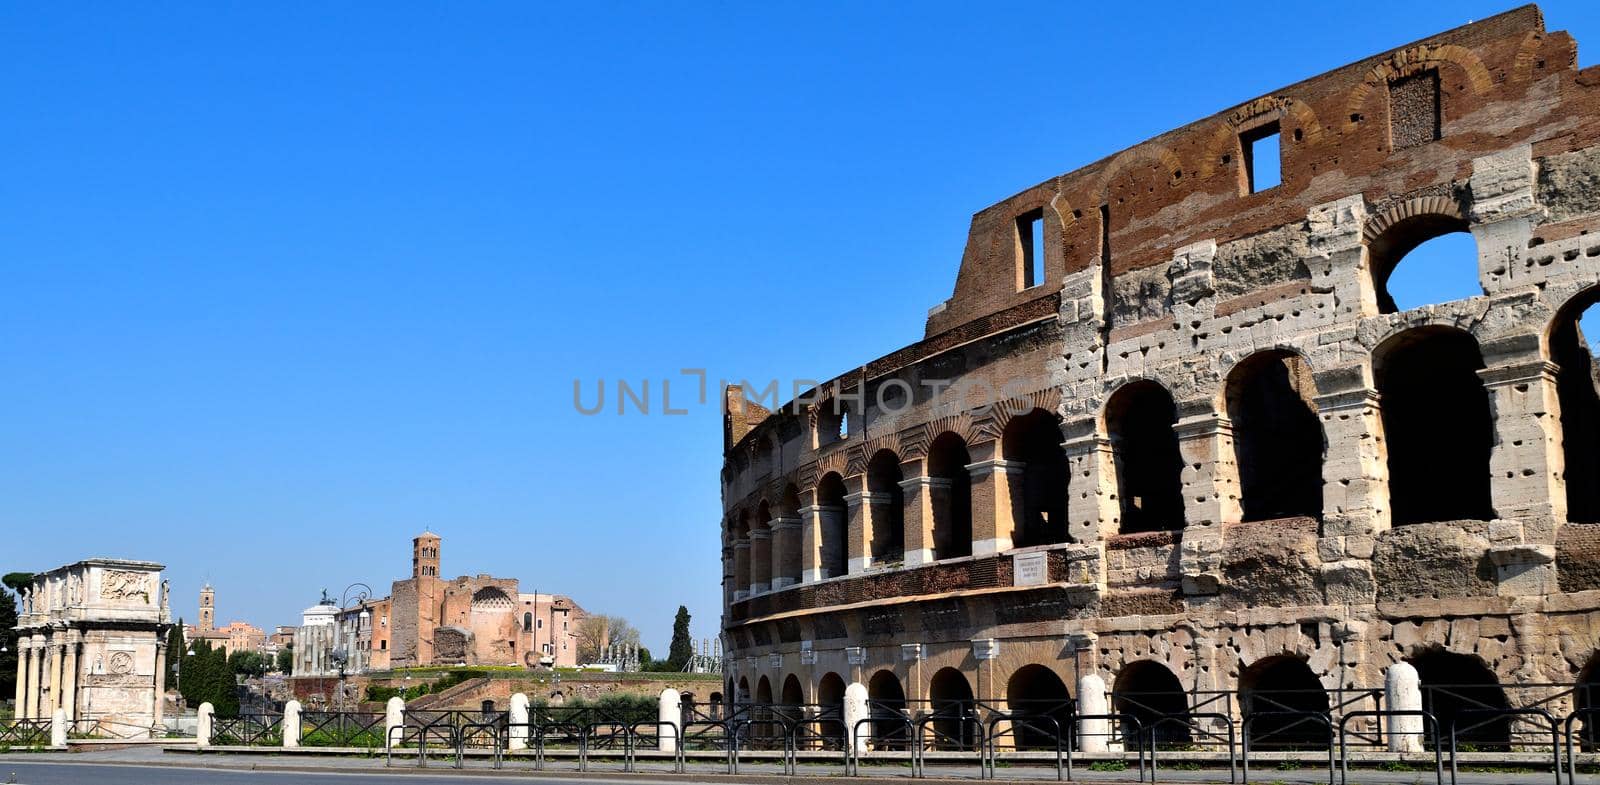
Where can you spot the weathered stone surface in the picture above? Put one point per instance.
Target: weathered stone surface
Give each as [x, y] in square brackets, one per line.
[1272, 563]
[1434, 560]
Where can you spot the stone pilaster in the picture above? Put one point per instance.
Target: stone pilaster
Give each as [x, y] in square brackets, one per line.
[1339, 255]
[858, 529]
[24, 657]
[1503, 213]
[69, 678]
[760, 560]
[993, 523]
[161, 680]
[921, 495]
[1092, 507]
[816, 542]
[35, 697]
[1355, 489]
[1210, 497]
[785, 551]
[1526, 467]
[741, 569]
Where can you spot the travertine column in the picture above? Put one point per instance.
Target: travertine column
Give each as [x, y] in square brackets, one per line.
[785, 551]
[760, 560]
[1210, 496]
[858, 529]
[24, 656]
[1403, 692]
[1526, 468]
[921, 493]
[1355, 486]
[35, 697]
[1093, 511]
[741, 569]
[993, 524]
[161, 680]
[69, 679]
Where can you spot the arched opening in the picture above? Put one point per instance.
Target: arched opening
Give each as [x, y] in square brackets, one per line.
[1576, 386]
[1151, 693]
[1437, 426]
[766, 726]
[952, 496]
[786, 561]
[761, 457]
[833, 555]
[793, 700]
[742, 695]
[830, 710]
[1586, 697]
[955, 726]
[1454, 688]
[1039, 506]
[527, 622]
[888, 508]
[1038, 697]
[1277, 439]
[1289, 705]
[1139, 420]
[1440, 262]
[741, 552]
[714, 707]
[886, 705]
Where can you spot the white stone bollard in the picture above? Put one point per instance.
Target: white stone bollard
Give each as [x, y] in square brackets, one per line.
[58, 728]
[1094, 735]
[670, 710]
[202, 724]
[1403, 692]
[291, 724]
[394, 716]
[519, 722]
[855, 710]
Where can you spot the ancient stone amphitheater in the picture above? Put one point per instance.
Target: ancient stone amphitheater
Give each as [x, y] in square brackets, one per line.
[1171, 449]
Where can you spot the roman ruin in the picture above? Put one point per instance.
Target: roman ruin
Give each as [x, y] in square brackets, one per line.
[1172, 446]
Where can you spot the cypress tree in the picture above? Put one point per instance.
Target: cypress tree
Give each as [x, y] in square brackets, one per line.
[682, 648]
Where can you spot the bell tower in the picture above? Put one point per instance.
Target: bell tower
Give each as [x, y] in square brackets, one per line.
[425, 556]
[208, 609]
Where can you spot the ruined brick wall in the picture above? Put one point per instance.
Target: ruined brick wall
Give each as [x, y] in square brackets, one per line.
[1177, 297]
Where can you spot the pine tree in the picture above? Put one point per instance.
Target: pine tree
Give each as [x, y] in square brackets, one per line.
[682, 648]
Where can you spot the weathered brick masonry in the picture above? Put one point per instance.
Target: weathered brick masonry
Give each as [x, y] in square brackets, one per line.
[1223, 460]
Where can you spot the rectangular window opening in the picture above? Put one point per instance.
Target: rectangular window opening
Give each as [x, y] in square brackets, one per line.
[1030, 242]
[1262, 161]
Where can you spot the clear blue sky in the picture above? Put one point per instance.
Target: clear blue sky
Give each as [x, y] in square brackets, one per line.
[285, 284]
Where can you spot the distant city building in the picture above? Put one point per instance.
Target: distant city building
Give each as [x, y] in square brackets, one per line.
[427, 620]
[235, 637]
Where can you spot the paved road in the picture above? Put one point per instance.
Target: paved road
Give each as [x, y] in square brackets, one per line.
[151, 768]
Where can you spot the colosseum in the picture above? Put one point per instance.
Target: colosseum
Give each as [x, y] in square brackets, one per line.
[1171, 448]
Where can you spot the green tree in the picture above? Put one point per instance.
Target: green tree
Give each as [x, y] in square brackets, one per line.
[174, 653]
[8, 643]
[682, 648]
[248, 663]
[207, 678]
[286, 659]
[17, 581]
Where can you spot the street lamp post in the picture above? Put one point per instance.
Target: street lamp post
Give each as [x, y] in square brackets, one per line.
[341, 657]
